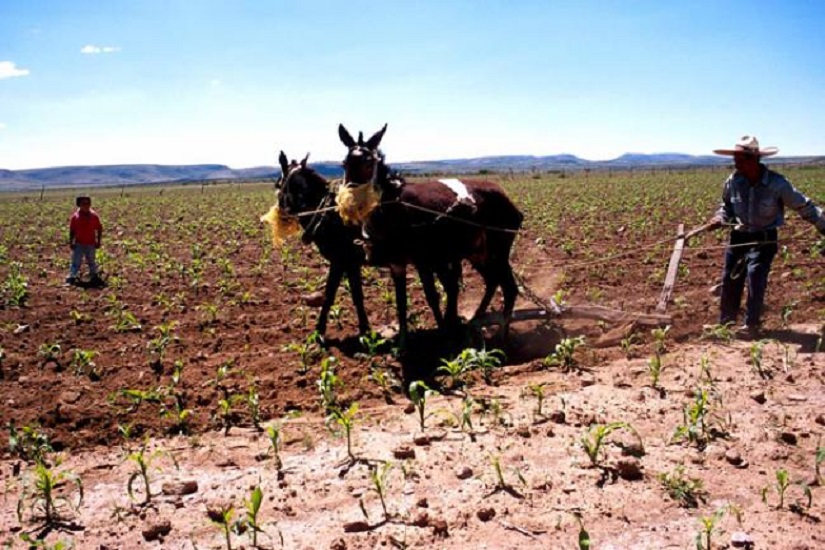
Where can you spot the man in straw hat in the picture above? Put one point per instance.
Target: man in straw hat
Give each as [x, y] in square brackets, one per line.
[753, 202]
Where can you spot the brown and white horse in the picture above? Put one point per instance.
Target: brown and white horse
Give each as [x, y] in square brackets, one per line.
[434, 225]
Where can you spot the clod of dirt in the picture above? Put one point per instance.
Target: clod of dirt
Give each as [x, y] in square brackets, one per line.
[315, 299]
[759, 397]
[524, 432]
[422, 503]
[733, 457]
[486, 514]
[741, 540]
[820, 419]
[558, 417]
[789, 438]
[157, 531]
[179, 488]
[339, 544]
[464, 473]
[422, 440]
[403, 452]
[356, 527]
[421, 520]
[629, 468]
[440, 528]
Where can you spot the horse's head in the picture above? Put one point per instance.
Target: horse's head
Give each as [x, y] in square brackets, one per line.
[300, 188]
[361, 165]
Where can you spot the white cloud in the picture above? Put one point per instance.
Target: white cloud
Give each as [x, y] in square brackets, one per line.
[92, 49]
[2, 125]
[214, 82]
[8, 69]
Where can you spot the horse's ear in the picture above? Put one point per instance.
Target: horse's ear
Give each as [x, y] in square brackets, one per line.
[375, 140]
[284, 164]
[360, 138]
[304, 161]
[346, 139]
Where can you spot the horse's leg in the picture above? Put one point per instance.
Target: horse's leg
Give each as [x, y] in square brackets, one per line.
[356, 289]
[510, 290]
[450, 278]
[399, 279]
[425, 274]
[490, 286]
[336, 271]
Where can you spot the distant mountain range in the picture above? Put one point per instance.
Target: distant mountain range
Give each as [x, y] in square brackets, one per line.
[137, 174]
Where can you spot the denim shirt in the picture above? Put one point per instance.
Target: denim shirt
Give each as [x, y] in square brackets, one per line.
[762, 206]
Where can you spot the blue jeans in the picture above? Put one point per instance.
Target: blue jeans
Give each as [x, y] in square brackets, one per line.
[79, 252]
[747, 259]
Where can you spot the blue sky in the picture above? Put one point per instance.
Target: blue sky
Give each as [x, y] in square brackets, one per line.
[233, 82]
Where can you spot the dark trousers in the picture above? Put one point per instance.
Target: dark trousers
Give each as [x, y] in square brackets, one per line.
[747, 259]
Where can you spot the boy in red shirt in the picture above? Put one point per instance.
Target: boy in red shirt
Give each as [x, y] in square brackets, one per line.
[85, 232]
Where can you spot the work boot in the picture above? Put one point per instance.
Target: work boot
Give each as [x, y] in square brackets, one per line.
[71, 281]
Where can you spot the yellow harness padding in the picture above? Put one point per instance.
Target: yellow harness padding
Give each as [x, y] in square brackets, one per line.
[355, 204]
[282, 225]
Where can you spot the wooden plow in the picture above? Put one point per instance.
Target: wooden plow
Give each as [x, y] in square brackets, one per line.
[551, 310]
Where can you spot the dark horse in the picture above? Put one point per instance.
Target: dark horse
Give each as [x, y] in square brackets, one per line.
[434, 225]
[302, 190]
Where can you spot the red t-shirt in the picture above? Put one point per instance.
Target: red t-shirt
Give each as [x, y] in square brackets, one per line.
[85, 227]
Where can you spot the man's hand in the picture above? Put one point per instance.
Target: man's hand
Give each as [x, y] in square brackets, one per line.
[715, 223]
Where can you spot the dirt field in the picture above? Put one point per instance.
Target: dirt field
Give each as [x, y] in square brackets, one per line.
[203, 329]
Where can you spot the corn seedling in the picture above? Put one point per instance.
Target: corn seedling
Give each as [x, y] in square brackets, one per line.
[50, 353]
[222, 517]
[660, 339]
[564, 354]
[593, 441]
[378, 476]
[723, 333]
[177, 372]
[308, 351]
[83, 364]
[783, 483]
[274, 433]
[700, 423]
[126, 322]
[654, 369]
[37, 544]
[253, 508]
[584, 537]
[537, 390]
[688, 492]
[501, 483]
[157, 346]
[328, 383]
[29, 443]
[467, 406]
[709, 526]
[627, 344]
[455, 370]
[419, 393]
[253, 402]
[786, 312]
[486, 362]
[371, 343]
[756, 355]
[385, 381]
[346, 420]
[143, 461]
[15, 289]
[39, 494]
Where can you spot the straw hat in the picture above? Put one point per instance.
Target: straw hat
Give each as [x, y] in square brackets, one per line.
[749, 145]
